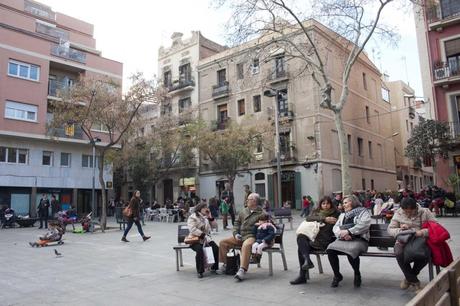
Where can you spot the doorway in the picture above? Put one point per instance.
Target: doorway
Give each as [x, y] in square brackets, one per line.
[168, 190]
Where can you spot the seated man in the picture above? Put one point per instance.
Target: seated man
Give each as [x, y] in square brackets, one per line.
[243, 235]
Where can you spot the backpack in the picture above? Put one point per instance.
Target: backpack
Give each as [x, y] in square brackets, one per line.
[233, 262]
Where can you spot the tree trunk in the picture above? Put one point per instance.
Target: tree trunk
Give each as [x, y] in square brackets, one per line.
[104, 200]
[344, 157]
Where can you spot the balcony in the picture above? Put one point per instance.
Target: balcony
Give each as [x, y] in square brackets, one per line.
[68, 53]
[220, 125]
[455, 130]
[74, 132]
[439, 15]
[221, 90]
[285, 157]
[55, 86]
[278, 75]
[446, 73]
[181, 85]
[286, 112]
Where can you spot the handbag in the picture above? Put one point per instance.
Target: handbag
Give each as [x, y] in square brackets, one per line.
[309, 229]
[416, 250]
[233, 262]
[128, 212]
[209, 255]
[190, 239]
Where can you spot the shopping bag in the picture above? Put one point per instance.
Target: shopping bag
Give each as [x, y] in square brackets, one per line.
[209, 255]
[233, 262]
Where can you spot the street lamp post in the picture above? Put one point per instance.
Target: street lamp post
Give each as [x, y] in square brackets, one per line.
[275, 93]
[93, 190]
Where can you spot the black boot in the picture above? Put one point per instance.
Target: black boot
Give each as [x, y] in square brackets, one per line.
[336, 280]
[357, 280]
[301, 279]
[308, 264]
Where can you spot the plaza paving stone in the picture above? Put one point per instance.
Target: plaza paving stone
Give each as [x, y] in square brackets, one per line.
[98, 269]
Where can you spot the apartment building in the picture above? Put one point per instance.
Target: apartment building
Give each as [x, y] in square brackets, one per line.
[42, 52]
[404, 118]
[232, 84]
[438, 39]
[177, 66]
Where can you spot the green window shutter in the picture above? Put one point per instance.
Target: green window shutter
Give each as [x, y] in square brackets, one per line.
[298, 191]
[271, 197]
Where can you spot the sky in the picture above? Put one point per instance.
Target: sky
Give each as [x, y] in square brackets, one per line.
[132, 31]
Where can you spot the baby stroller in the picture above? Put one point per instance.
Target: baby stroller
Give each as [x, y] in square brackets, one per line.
[67, 217]
[8, 218]
[52, 237]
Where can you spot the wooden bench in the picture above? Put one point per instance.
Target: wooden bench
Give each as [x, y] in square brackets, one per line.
[120, 218]
[443, 290]
[278, 247]
[379, 238]
[282, 213]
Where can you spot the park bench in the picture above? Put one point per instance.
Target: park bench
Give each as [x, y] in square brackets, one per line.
[443, 290]
[380, 239]
[278, 247]
[282, 213]
[120, 218]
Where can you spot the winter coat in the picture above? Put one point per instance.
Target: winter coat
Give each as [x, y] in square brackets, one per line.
[198, 225]
[423, 215]
[325, 235]
[135, 207]
[440, 251]
[265, 232]
[43, 207]
[224, 207]
[362, 223]
[245, 222]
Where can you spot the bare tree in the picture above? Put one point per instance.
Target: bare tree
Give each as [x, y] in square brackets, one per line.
[97, 107]
[288, 25]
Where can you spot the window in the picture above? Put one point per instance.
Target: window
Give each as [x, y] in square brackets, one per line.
[241, 108]
[21, 111]
[385, 95]
[240, 71]
[283, 106]
[363, 183]
[14, 155]
[285, 148]
[47, 158]
[370, 149]
[257, 103]
[259, 147]
[259, 176]
[87, 161]
[372, 185]
[99, 127]
[184, 104]
[279, 66]
[222, 112]
[349, 143]
[221, 77]
[185, 73]
[23, 70]
[364, 81]
[167, 80]
[255, 66]
[65, 159]
[260, 189]
[360, 146]
[367, 115]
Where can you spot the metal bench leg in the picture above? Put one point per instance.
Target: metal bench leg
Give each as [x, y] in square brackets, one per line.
[181, 260]
[283, 257]
[270, 264]
[430, 270]
[290, 220]
[320, 266]
[307, 274]
[177, 260]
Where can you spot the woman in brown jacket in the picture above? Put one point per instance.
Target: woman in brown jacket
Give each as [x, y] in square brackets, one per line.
[135, 217]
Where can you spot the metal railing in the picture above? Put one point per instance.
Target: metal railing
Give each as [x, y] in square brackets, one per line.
[54, 86]
[179, 84]
[277, 74]
[220, 124]
[445, 70]
[68, 53]
[221, 89]
[435, 13]
[64, 133]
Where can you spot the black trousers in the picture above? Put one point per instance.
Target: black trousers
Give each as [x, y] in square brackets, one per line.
[333, 257]
[303, 249]
[199, 258]
[231, 211]
[44, 218]
[411, 272]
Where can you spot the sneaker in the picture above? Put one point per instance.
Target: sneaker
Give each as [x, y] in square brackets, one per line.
[240, 274]
[222, 270]
[404, 284]
[146, 237]
[124, 239]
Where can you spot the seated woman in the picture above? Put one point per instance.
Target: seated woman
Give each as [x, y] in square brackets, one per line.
[410, 216]
[352, 233]
[326, 213]
[199, 226]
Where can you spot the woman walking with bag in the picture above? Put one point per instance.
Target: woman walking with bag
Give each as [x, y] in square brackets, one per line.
[326, 214]
[352, 232]
[132, 214]
[199, 227]
[410, 216]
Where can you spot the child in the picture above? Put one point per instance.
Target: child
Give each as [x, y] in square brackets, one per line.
[305, 207]
[224, 208]
[55, 232]
[265, 233]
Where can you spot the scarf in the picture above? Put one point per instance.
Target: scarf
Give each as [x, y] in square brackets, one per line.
[326, 212]
[350, 215]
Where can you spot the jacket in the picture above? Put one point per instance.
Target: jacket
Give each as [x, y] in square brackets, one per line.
[440, 251]
[245, 222]
[43, 207]
[423, 215]
[135, 207]
[265, 232]
[362, 223]
[325, 235]
[198, 224]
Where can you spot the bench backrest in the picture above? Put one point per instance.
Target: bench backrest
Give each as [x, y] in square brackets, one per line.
[282, 212]
[279, 234]
[379, 236]
[182, 232]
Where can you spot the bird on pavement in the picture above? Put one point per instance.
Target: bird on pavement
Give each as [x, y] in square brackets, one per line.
[57, 253]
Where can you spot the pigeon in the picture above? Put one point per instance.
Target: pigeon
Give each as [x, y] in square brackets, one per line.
[57, 253]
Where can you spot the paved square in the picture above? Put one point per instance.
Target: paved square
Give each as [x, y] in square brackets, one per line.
[98, 269]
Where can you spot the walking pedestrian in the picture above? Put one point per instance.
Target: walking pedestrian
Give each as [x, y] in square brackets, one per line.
[134, 204]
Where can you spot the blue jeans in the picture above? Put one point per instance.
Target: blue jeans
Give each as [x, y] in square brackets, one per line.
[305, 212]
[130, 224]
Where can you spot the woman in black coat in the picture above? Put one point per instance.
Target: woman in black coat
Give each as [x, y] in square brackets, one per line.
[135, 217]
[327, 214]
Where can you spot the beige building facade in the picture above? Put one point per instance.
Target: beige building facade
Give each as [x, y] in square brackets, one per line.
[231, 89]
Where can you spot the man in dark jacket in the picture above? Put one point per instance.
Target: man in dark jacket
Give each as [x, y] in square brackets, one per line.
[231, 201]
[43, 213]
